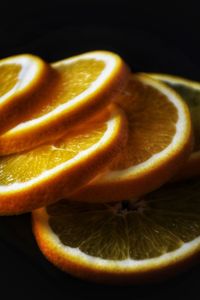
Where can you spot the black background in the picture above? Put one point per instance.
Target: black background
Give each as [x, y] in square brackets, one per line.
[151, 37]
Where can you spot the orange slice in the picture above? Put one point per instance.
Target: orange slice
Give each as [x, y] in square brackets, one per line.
[126, 242]
[43, 175]
[159, 143]
[190, 92]
[79, 87]
[20, 77]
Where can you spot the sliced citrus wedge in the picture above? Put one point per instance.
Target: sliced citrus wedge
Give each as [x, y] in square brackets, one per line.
[124, 242]
[190, 92]
[159, 143]
[20, 77]
[79, 87]
[43, 175]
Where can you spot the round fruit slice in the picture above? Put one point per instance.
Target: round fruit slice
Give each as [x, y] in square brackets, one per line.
[43, 175]
[159, 143]
[79, 87]
[124, 242]
[190, 92]
[20, 77]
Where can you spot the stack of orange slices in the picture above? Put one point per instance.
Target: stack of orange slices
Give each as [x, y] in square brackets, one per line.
[99, 156]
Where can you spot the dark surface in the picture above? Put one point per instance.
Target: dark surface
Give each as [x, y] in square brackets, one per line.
[150, 38]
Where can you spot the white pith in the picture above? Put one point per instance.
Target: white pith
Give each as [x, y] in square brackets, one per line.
[29, 69]
[75, 254]
[127, 265]
[110, 64]
[178, 80]
[179, 137]
[111, 124]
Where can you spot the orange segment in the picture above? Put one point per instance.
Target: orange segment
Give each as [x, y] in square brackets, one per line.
[159, 143]
[124, 242]
[79, 88]
[150, 128]
[43, 175]
[9, 76]
[20, 77]
[67, 85]
[190, 92]
[16, 168]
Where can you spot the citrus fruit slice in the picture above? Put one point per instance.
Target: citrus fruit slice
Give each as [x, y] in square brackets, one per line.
[190, 92]
[124, 242]
[79, 87]
[159, 143]
[20, 77]
[32, 179]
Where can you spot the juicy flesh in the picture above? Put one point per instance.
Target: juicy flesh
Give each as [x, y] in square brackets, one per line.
[8, 77]
[192, 98]
[65, 83]
[157, 223]
[152, 123]
[28, 165]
